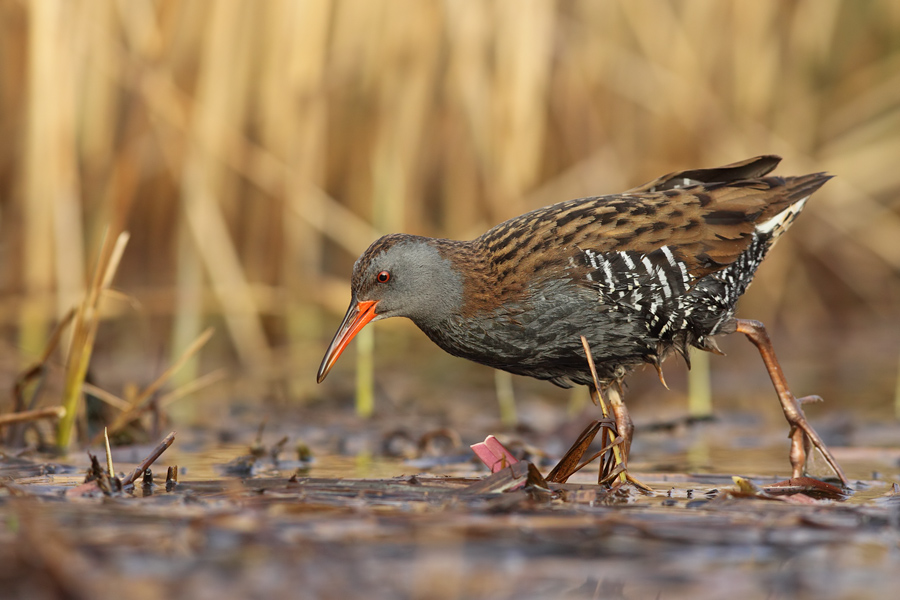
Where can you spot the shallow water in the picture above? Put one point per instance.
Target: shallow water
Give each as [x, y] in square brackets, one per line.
[345, 525]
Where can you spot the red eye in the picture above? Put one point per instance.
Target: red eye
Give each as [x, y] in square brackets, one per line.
[383, 277]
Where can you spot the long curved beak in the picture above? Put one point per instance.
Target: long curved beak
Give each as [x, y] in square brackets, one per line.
[356, 318]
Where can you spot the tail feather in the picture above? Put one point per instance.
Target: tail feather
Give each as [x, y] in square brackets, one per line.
[785, 207]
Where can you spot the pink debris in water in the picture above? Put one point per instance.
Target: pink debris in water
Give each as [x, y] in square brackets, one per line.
[493, 454]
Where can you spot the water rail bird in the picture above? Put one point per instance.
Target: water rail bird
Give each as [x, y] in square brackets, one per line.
[642, 274]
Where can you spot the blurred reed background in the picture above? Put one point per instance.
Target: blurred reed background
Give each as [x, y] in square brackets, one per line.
[254, 148]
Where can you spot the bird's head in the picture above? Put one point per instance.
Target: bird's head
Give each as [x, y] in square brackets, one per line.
[398, 276]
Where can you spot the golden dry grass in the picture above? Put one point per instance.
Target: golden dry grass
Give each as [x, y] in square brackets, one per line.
[253, 149]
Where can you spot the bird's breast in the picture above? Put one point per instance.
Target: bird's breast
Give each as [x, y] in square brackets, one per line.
[540, 336]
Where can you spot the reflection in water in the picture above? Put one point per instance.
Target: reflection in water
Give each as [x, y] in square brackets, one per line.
[208, 464]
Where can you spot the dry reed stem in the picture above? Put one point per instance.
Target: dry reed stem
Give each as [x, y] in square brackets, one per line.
[38, 367]
[32, 415]
[45, 145]
[299, 49]
[364, 403]
[506, 398]
[699, 385]
[109, 461]
[146, 395]
[105, 396]
[206, 192]
[897, 391]
[193, 387]
[37, 371]
[85, 331]
[261, 167]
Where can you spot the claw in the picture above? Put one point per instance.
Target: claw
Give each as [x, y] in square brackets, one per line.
[659, 371]
[810, 399]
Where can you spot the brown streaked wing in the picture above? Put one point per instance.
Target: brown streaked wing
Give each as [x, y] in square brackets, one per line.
[706, 226]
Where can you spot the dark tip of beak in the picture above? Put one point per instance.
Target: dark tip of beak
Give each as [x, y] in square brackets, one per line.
[358, 315]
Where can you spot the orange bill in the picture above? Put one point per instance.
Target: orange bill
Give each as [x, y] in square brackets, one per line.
[356, 318]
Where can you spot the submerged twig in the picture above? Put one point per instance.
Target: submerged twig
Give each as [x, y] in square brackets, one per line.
[516, 475]
[106, 482]
[151, 458]
[171, 477]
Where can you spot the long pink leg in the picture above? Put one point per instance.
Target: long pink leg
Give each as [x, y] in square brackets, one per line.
[624, 424]
[802, 434]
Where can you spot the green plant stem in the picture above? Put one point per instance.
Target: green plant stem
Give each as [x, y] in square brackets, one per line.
[365, 373]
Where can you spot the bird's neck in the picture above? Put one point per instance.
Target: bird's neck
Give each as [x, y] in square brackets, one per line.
[486, 289]
[486, 296]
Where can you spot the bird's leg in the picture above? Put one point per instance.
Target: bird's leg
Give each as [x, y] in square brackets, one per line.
[802, 434]
[614, 463]
[620, 441]
[624, 425]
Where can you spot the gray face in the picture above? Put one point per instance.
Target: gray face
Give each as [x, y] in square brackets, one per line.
[408, 278]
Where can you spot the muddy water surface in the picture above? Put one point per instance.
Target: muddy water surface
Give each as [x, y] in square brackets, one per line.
[367, 524]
